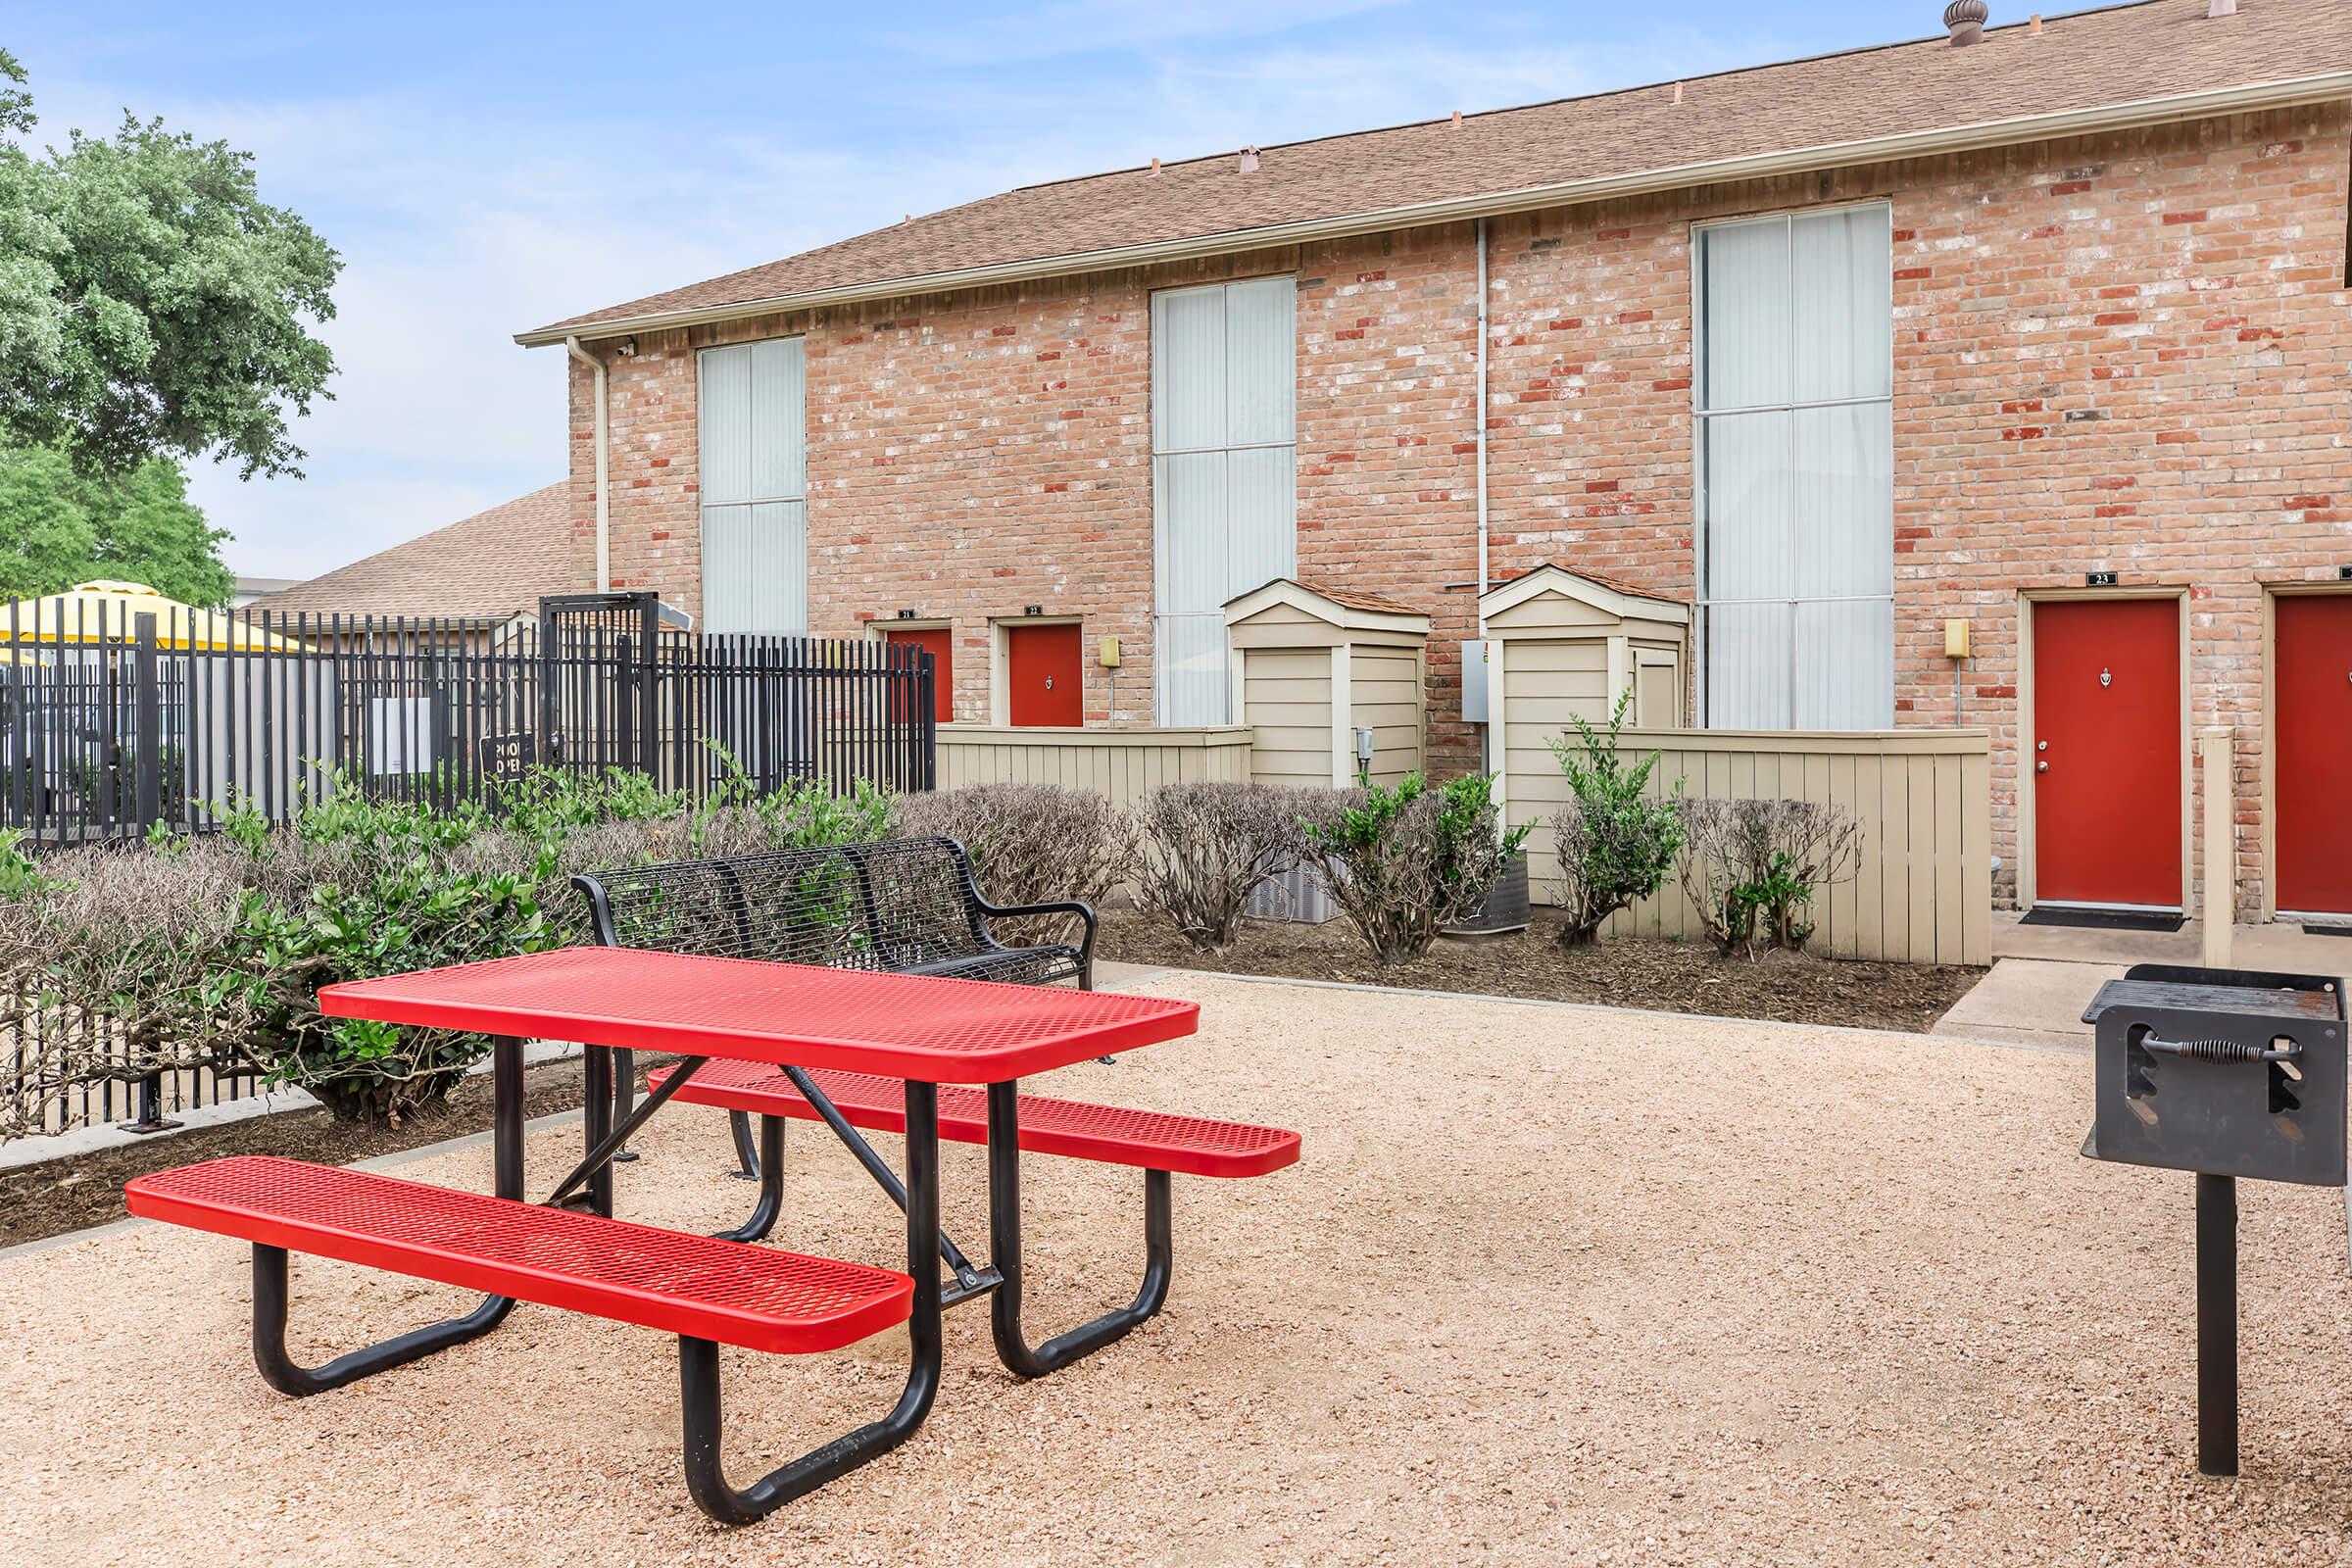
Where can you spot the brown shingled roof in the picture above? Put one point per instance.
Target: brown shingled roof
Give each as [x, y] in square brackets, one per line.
[1356, 598]
[1615, 585]
[2089, 64]
[489, 567]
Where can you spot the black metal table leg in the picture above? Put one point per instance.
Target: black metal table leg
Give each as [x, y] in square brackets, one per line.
[596, 1123]
[2216, 1325]
[624, 1093]
[1005, 1248]
[698, 1361]
[271, 1286]
[506, 1115]
[771, 1185]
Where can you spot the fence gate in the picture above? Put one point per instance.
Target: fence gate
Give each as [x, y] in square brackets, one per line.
[599, 706]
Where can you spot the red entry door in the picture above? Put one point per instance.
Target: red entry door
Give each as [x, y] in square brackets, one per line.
[2311, 700]
[1046, 678]
[940, 642]
[2105, 752]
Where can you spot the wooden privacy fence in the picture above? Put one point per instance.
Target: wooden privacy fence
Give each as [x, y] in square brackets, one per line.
[1125, 764]
[1922, 890]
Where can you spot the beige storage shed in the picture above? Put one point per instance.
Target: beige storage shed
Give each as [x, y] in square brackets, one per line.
[1564, 645]
[1311, 665]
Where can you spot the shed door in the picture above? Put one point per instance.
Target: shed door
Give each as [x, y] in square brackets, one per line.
[2312, 705]
[1044, 675]
[2105, 752]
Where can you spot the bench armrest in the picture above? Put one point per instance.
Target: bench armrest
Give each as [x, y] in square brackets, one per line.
[1084, 911]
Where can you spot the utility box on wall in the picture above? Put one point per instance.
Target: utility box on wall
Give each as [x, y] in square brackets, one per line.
[1315, 669]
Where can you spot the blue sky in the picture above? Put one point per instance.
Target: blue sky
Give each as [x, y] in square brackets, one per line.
[486, 168]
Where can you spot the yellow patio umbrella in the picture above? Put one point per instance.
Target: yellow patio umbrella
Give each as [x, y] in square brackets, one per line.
[89, 611]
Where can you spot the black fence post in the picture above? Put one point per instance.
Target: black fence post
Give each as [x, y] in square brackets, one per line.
[151, 1118]
[147, 757]
[649, 686]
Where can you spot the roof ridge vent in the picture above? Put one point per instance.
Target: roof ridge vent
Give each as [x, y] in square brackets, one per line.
[1966, 19]
[1249, 160]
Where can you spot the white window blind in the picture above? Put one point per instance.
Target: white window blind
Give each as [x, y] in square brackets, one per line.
[1796, 463]
[1224, 479]
[754, 425]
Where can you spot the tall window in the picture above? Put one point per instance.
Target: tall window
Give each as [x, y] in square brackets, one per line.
[1224, 479]
[754, 476]
[1797, 470]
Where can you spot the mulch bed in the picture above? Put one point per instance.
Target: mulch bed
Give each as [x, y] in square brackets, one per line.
[65, 1195]
[1669, 976]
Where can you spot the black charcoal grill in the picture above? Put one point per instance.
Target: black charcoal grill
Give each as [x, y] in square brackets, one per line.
[2228, 1073]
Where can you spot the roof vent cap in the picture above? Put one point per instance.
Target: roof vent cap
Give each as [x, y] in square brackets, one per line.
[2219, 8]
[1966, 19]
[1249, 160]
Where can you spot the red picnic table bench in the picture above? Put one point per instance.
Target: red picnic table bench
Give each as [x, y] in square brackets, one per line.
[789, 1040]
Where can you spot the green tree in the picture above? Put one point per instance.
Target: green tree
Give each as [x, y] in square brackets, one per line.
[151, 303]
[58, 528]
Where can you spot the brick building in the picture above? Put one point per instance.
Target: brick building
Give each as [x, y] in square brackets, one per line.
[2046, 334]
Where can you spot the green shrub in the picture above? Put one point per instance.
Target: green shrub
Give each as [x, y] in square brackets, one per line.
[1616, 844]
[1403, 863]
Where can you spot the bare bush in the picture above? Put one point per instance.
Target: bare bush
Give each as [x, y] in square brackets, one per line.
[1029, 843]
[118, 963]
[1751, 867]
[1202, 849]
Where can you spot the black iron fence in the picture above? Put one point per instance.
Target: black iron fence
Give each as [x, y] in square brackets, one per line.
[113, 717]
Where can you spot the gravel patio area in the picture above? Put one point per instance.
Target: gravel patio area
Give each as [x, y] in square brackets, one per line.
[1550, 1286]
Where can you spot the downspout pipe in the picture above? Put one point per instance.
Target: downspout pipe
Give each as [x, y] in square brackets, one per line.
[604, 465]
[1480, 433]
[1486, 731]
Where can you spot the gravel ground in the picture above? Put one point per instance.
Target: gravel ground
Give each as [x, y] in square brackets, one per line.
[1551, 1286]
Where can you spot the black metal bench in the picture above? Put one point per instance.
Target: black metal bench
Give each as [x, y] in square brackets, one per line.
[903, 905]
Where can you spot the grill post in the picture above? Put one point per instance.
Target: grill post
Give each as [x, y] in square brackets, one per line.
[2216, 1325]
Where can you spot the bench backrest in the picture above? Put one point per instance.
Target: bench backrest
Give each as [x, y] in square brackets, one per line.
[884, 905]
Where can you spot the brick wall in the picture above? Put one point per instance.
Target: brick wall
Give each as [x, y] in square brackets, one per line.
[2125, 354]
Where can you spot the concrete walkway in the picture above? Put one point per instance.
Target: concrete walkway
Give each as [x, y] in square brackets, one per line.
[2043, 976]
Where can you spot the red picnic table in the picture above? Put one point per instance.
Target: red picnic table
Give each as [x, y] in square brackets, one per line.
[842, 1030]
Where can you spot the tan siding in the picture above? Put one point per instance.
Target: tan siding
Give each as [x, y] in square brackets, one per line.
[1923, 891]
[1286, 698]
[1384, 692]
[1124, 765]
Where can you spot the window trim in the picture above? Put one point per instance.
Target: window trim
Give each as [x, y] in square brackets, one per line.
[1702, 601]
